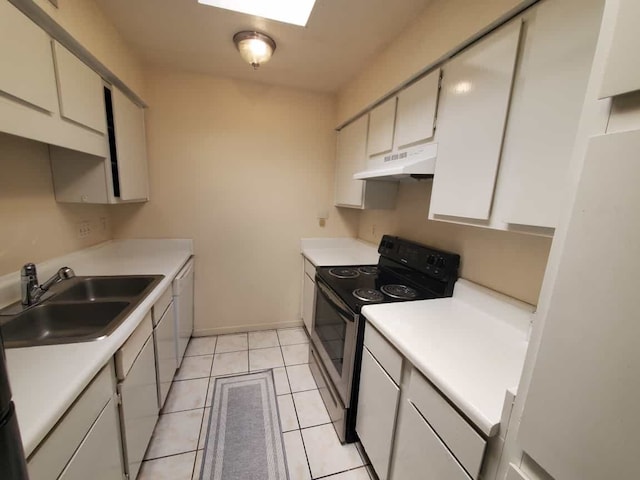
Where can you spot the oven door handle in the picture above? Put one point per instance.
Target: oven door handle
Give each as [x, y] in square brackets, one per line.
[335, 302]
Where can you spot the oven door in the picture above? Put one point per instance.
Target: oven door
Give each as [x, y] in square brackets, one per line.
[334, 335]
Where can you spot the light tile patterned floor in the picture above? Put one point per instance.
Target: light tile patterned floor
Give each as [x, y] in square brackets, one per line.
[312, 446]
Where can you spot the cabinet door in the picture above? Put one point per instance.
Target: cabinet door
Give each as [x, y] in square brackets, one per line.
[419, 454]
[351, 158]
[381, 125]
[549, 91]
[164, 336]
[131, 147]
[415, 120]
[308, 301]
[580, 418]
[471, 118]
[377, 407]
[622, 72]
[139, 409]
[80, 90]
[27, 71]
[99, 456]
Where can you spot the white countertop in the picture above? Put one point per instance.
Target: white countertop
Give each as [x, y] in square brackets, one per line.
[46, 380]
[324, 252]
[471, 346]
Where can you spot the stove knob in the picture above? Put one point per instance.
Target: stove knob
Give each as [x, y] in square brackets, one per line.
[431, 259]
[440, 262]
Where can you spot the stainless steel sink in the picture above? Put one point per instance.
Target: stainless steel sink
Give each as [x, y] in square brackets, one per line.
[91, 289]
[81, 309]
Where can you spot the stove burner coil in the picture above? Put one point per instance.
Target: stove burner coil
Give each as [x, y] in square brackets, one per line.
[368, 270]
[368, 295]
[343, 272]
[399, 291]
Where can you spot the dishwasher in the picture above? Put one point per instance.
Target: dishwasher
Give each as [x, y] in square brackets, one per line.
[183, 305]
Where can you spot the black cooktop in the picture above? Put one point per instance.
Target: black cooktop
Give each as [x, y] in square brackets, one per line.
[406, 271]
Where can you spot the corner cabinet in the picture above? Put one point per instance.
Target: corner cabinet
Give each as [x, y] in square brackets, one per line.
[120, 177]
[351, 157]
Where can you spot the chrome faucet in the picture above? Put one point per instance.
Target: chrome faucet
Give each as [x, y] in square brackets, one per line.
[31, 291]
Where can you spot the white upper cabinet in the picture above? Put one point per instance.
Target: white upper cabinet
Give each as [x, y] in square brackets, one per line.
[351, 158]
[381, 126]
[27, 71]
[416, 114]
[80, 90]
[471, 119]
[549, 91]
[131, 147]
[622, 72]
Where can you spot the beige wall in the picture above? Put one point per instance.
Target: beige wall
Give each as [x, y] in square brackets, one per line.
[507, 262]
[243, 169]
[443, 25]
[34, 226]
[86, 22]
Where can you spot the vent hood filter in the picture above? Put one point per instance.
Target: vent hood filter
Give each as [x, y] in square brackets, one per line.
[417, 160]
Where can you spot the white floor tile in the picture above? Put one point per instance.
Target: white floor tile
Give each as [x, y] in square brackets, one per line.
[204, 428]
[186, 395]
[310, 409]
[263, 339]
[291, 336]
[177, 467]
[281, 381]
[296, 458]
[232, 343]
[288, 419]
[300, 378]
[201, 346]
[357, 474]
[175, 433]
[325, 453]
[209, 399]
[295, 354]
[198, 466]
[265, 358]
[227, 363]
[194, 367]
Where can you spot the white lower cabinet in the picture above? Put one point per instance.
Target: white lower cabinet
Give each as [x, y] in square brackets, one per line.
[377, 406]
[99, 456]
[419, 453]
[308, 301]
[164, 337]
[139, 408]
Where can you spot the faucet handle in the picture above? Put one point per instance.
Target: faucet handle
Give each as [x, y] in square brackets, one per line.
[29, 270]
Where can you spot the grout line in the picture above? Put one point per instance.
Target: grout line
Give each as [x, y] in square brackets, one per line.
[168, 456]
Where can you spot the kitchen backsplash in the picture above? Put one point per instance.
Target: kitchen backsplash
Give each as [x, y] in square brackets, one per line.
[509, 263]
[34, 226]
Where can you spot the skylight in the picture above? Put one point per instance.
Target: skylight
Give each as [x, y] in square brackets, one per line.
[295, 12]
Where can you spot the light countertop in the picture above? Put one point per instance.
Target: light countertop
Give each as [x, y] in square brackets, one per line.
[471, 346]
[46, 380]
[324, 252]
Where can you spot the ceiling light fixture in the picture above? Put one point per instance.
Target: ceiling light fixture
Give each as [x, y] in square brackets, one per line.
[256, 48]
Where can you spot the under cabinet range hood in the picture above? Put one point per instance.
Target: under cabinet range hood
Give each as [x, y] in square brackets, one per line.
[417, 161]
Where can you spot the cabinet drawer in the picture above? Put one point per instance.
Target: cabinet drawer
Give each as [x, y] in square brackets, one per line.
[130, 350]
[376, 420]
[383, 352]
[309, 269]
[465, 443]
[99, 456]
[52, 455]
[161, 305]
[419, 453]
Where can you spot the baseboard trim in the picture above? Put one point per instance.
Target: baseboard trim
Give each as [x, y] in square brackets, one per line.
[207, 332]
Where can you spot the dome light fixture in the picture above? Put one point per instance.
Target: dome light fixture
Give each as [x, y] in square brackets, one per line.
[255, 48]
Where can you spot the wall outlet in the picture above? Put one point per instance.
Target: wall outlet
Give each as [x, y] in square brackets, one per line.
[84, 229]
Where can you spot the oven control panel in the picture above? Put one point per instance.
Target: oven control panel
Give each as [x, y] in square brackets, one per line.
[435, 263]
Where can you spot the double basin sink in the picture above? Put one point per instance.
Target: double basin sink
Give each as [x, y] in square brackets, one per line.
[80, 309]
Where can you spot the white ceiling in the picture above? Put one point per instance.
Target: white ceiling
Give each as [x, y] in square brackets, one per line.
[339, 39]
